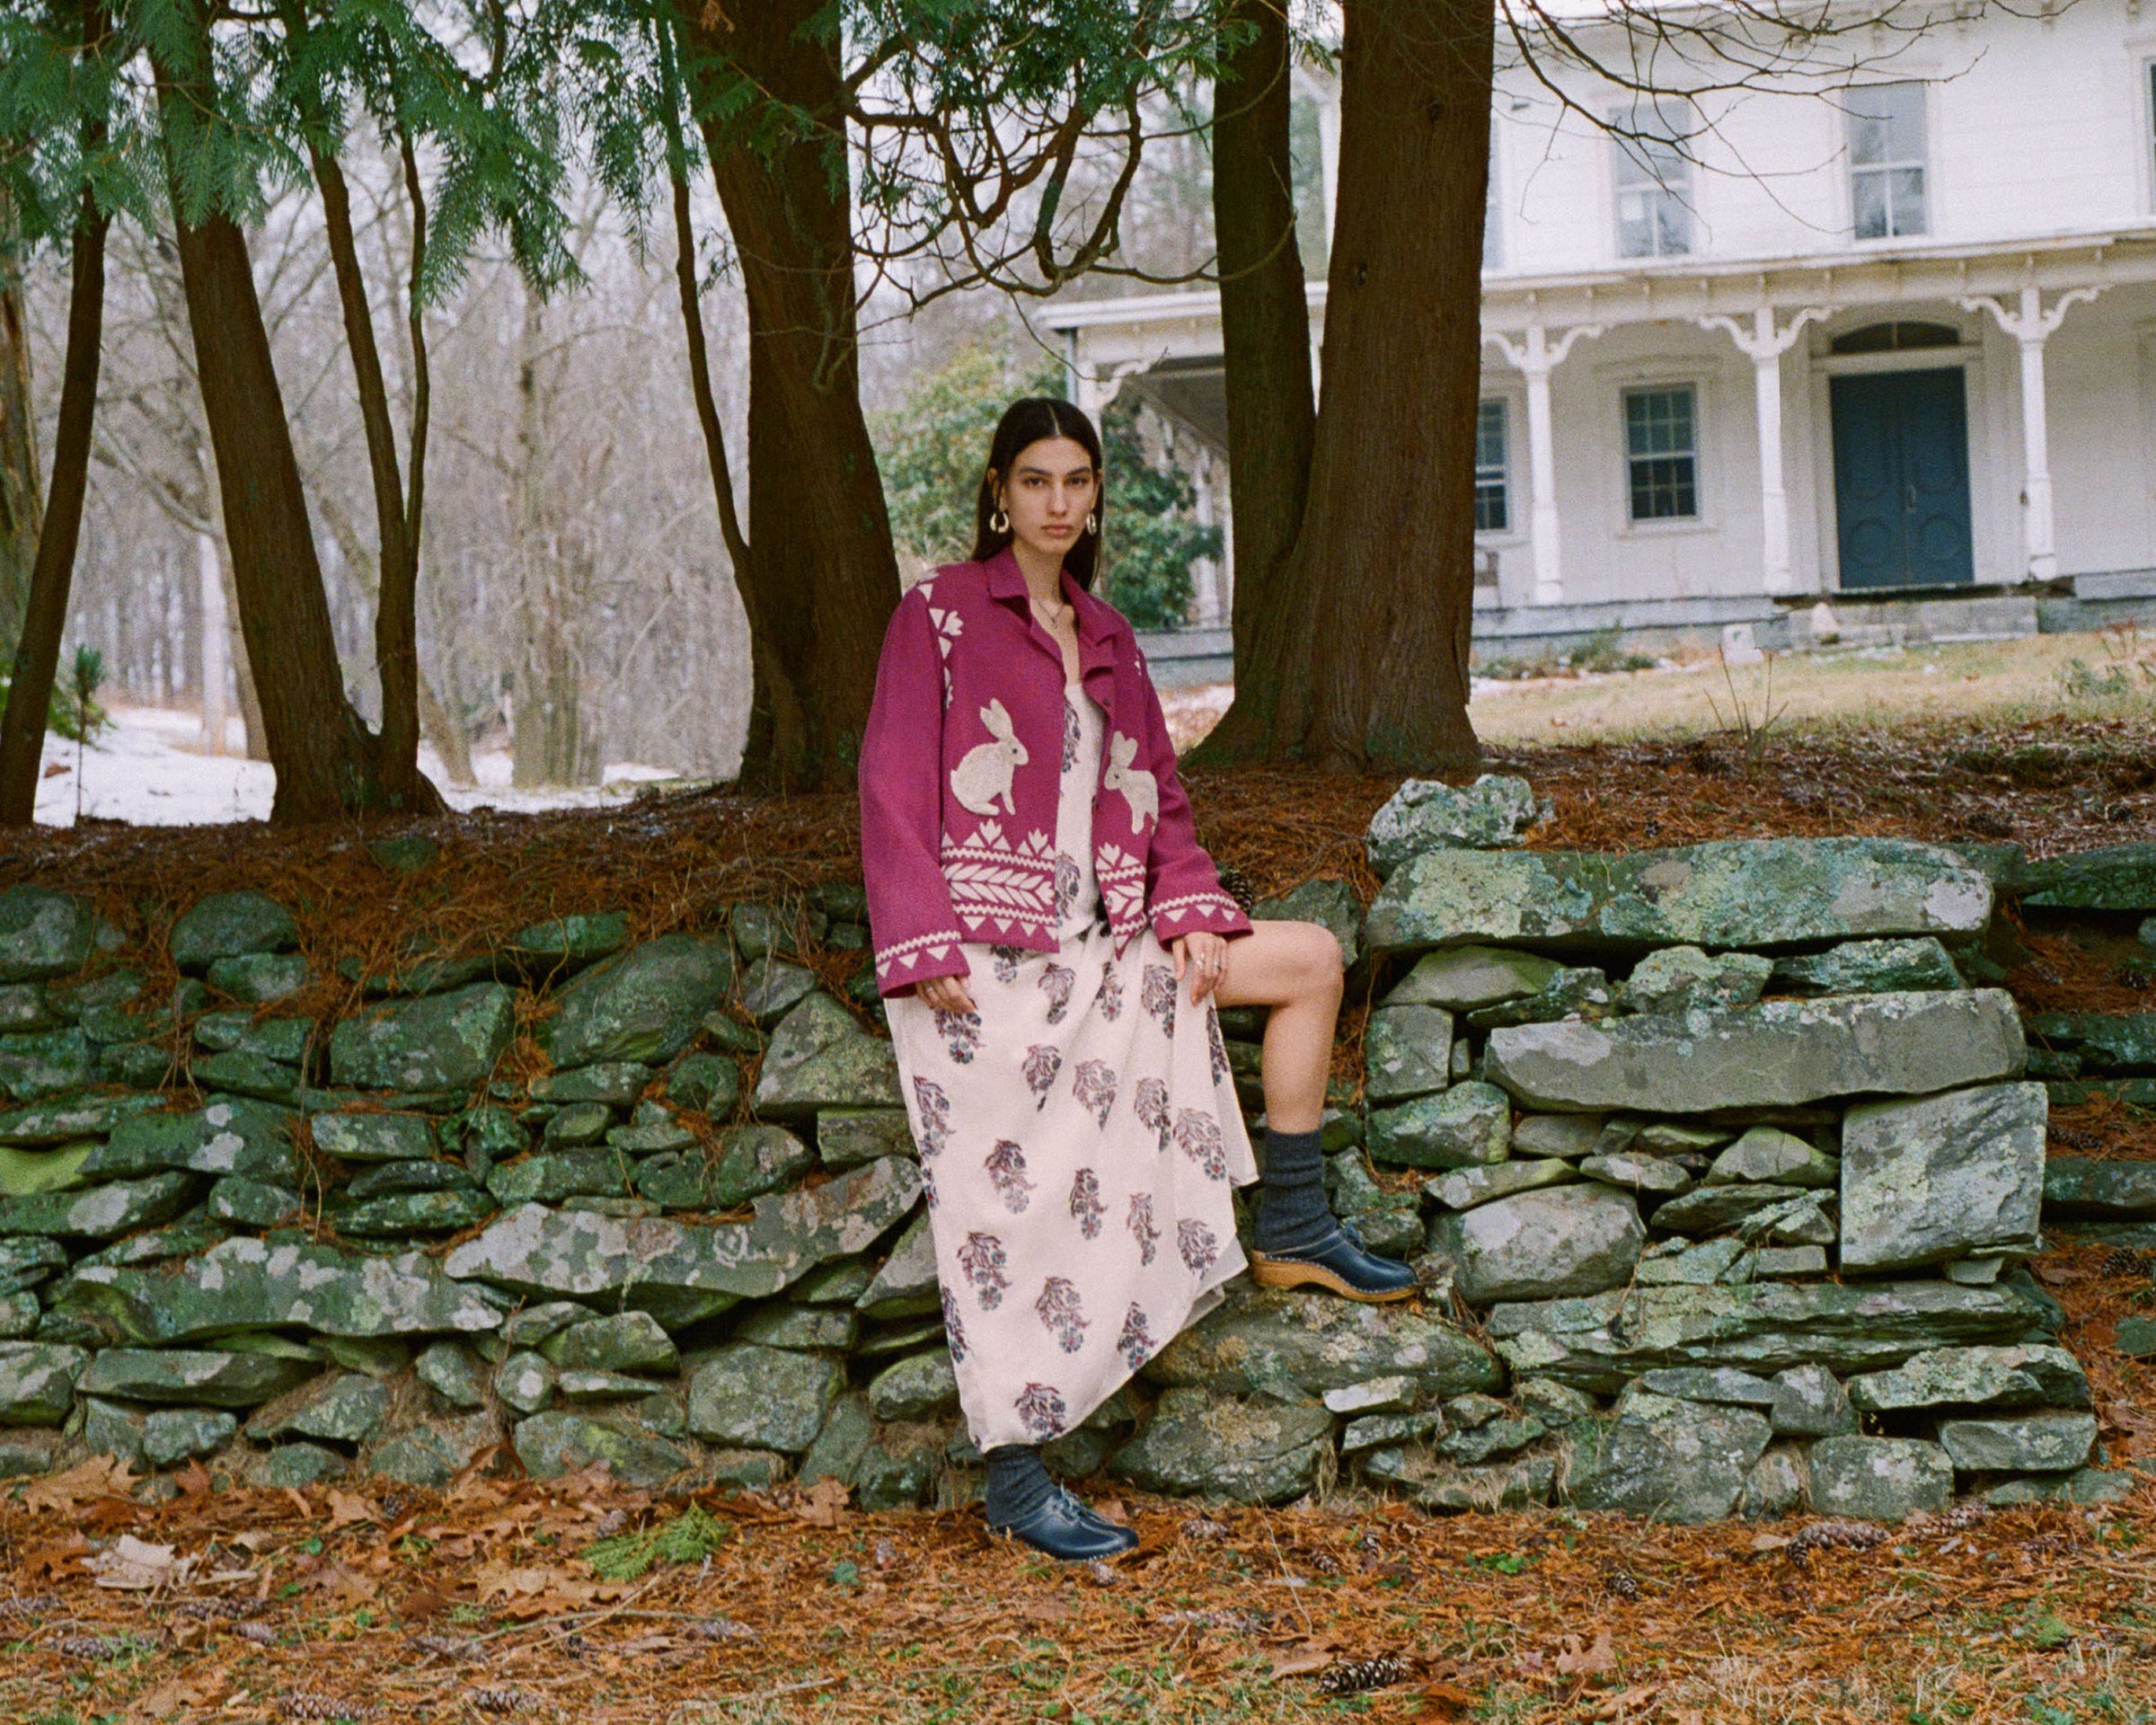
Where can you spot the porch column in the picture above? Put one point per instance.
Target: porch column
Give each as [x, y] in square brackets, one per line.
[1534, 357]
[1763, 344]
[2031, 325]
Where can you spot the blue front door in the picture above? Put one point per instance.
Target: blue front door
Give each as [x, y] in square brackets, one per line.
[1902, 478]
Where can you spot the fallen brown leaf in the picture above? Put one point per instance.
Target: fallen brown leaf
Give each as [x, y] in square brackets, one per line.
[1578, 1661]
[101, 1476]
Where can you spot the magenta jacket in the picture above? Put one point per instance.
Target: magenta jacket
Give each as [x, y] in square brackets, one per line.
[960, 766]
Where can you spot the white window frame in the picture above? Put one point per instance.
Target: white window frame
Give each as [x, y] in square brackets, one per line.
[1886, 169]
[1515, 530]
[1627, 155]
[1493, 214]
[1702, 519]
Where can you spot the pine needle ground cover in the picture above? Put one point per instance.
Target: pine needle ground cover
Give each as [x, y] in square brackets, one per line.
[576, 1599]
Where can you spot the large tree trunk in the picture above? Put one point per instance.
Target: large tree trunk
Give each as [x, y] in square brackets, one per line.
[1380, 581]
[20, 514]
[548, 744]
[44, 616]
[1272, 413]
[821, 569]
[323, 755]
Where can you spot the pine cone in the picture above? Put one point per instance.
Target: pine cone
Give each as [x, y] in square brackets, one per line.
[1961, 1516]
[1356, 1676]
[28, 1607]
[1621, 1583]
[1236, 884]
[503, 1701]
[1856, 1536]
[2123, 1260]
[307, 1704]
[96, 1647]
[720, 1629]
[260, 1633]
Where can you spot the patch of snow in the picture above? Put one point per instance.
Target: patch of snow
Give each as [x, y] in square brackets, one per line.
[150, 768]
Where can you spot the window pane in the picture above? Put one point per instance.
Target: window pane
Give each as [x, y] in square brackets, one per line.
[1662, 468]
[1906, 194]
[1653, 179]
[1491, 513]
[1886, 123]
[1868, 200]
[1672, 227]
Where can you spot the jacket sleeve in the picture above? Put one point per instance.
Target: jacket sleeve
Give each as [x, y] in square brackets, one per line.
[911, 924]
[1183, 893]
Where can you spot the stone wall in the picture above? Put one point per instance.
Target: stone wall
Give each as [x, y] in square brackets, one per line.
[1718, 1165]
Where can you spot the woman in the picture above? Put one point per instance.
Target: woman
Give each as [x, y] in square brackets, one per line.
[1038, 898]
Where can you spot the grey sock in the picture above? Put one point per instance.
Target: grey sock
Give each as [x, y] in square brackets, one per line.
[1018, 1484]
[1294, 1216]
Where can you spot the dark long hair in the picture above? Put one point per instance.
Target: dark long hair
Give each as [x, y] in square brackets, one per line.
[1027, 421]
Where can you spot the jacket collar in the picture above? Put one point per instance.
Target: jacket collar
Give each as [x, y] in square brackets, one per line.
[1099, 623]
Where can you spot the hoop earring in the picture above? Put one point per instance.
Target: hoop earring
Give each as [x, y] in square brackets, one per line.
[1092, 522]
[998, 522]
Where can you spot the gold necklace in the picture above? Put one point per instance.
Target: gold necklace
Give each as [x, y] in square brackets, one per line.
[1052, 618]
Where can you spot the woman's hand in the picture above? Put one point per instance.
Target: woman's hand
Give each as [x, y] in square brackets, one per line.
[1204, 954]
[947, 993]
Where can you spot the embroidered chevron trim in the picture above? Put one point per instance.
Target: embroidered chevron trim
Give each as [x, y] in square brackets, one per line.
[994, 883]
[1194, 903]
[1122, 879]
[909, 952]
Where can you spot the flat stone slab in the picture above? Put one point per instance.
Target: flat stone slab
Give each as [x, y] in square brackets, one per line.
[208, 1376]
[1224, 1447]
[1666, 1459]
[680, 1271]
[1464, 1188]
[2026, 1376]
[1600, 1341]
[644, 1005]
[1462, 978]
[2104, 1191]
[1461, 1128]
[1775, 1054]
[1870, 966]
[1935, 1177]
[1746, 893]
[2051, 1440]
[1318, 1342]
[43, 933]
[433, 1042]
[763, 1398]
[100, 1212]
[819, 1059]
[37, 1382]
[2120, 877]
[1565, 1240]
[1879, 1479]
[1492, 813]
[249, 1284]
[224, 925]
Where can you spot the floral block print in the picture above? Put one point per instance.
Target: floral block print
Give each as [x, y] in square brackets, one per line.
[1152, 1104]
[1157, 993]
[1057, 982]
[1198, 1243]
[1044, 1060]
[1041, 1407]
[1141, 1224]
[954, 1327]
[933, 1105]
[1007, 1171]
[1216, 1045]
[1136, 1344]
[1066, 887]
[961, 1032]
[983, 1257]
[1197, 1136]
[1109, 996]
[1038, 1181]
[1071, 737]
[1061, 1309]
[1095, 1088]
[1086, 1208]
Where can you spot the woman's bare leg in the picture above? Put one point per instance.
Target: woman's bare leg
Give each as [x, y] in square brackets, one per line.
[1294, 967]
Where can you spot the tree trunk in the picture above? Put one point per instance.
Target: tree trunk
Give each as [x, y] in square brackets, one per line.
[546, 723]
[20, 515]
[821, 569]
[324, 755]
[1272, 413]
[44, 616]
[1386, 551]
[396, 626]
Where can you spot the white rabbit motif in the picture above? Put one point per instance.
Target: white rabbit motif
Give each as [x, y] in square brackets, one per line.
[985, 771]
[1140, 789]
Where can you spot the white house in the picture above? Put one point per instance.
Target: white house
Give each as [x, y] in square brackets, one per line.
[1892, 345]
